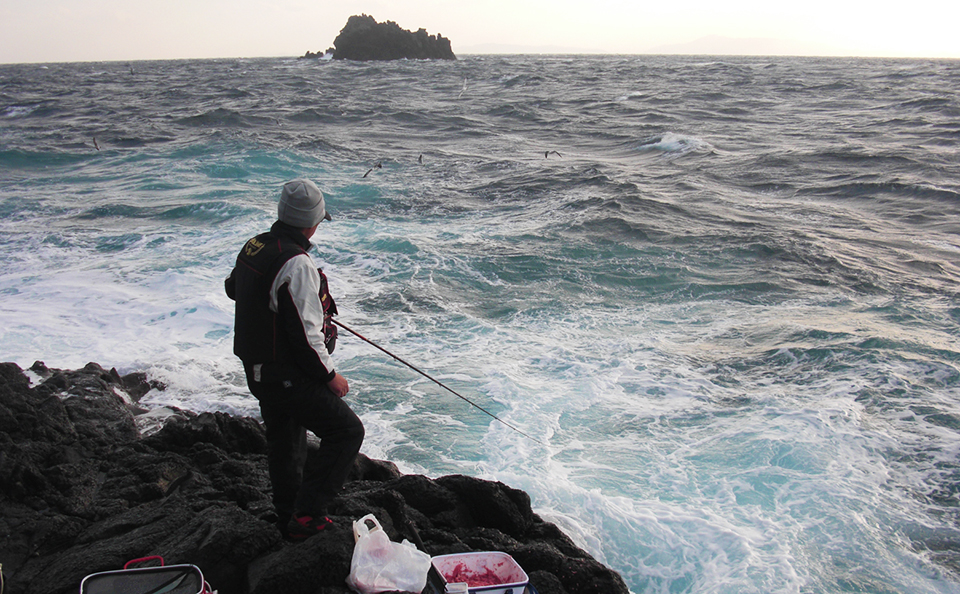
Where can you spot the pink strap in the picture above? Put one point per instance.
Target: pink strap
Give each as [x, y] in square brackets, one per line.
[142, 559]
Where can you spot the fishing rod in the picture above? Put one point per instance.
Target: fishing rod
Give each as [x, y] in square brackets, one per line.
[436, 381]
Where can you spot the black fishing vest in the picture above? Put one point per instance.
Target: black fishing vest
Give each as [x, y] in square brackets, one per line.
[258, 336]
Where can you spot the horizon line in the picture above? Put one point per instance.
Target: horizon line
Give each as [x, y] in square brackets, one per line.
[509, 53]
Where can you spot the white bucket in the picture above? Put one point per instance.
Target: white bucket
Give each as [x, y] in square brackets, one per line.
[489, 572]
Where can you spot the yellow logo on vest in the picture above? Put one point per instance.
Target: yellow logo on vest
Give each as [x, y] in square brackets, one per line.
[253, 247]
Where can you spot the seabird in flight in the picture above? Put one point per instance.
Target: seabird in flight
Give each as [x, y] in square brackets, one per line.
[379, 165]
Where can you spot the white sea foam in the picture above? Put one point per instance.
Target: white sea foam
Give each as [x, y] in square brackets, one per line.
[674, 143]
[17, 111]
[632, 95]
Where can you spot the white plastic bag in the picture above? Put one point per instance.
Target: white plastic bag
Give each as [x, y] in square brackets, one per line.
[379, 565]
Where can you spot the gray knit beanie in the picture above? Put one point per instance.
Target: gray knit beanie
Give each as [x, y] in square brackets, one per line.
[301, 204]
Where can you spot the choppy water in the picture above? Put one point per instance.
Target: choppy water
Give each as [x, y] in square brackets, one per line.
[730, 308]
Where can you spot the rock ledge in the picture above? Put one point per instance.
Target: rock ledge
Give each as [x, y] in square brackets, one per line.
[84, 489]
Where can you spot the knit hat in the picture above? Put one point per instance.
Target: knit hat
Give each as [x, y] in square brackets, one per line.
[301, 204]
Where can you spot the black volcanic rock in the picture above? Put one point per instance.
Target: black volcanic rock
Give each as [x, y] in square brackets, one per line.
[82, 491]
[363, 38]
[317, 55]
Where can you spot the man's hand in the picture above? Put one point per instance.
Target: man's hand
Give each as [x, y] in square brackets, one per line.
[338, 385]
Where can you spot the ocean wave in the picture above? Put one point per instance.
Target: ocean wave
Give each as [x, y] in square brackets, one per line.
[632, 95]
[314, 115]
[215, 212]
[524, 113]
[945, 104]
[117, 243]
[226, 118]
[202, 213]
[674, 144]
[19, 111]
[39, 160]
[882, 189]
[514, 80]
[109, 211]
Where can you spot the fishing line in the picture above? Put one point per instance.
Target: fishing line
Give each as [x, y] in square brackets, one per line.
[436, 381]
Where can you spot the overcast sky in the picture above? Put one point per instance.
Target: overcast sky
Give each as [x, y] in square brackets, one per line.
[94, 30]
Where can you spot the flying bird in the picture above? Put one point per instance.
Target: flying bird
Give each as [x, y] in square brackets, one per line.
[97, 146]
[546, 155]
[420, 159]
[379, 165]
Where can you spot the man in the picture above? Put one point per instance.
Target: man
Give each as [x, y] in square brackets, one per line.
[279, 337]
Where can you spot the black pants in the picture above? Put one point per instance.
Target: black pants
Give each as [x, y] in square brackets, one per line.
[291, 404]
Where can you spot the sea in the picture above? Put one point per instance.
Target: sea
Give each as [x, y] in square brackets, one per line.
[704, 310]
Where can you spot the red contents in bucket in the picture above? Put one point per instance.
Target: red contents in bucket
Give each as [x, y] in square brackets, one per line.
[474, 579]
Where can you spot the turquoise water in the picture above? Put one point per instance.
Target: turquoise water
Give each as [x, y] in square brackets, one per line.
[728, 308]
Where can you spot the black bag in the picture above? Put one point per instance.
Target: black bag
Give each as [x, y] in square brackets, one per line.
[165, 579]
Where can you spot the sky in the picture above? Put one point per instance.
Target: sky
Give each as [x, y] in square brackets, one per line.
[127, 30]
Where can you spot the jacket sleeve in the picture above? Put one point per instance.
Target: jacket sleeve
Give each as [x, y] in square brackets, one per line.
[295, 297]
[230, 286]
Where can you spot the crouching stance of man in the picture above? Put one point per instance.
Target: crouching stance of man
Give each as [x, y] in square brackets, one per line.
[279, 337]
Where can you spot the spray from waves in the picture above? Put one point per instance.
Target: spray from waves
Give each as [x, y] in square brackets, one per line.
[665, 449]
[673, 143]
[631, 96]
[129, 273]
[18, 111]
[648, 423]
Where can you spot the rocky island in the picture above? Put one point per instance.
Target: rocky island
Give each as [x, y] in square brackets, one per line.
[363, 38]
[89, 480]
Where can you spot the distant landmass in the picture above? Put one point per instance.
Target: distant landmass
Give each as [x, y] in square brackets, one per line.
[508, 48]
[716, 45]
[363, 38]
[712, 45]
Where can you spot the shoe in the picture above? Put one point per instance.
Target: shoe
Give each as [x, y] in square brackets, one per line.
[303, 527]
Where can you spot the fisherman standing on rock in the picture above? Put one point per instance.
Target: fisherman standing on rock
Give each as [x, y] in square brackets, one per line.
[281, 300]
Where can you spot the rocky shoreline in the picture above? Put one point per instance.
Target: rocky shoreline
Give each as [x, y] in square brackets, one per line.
[90, 480]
